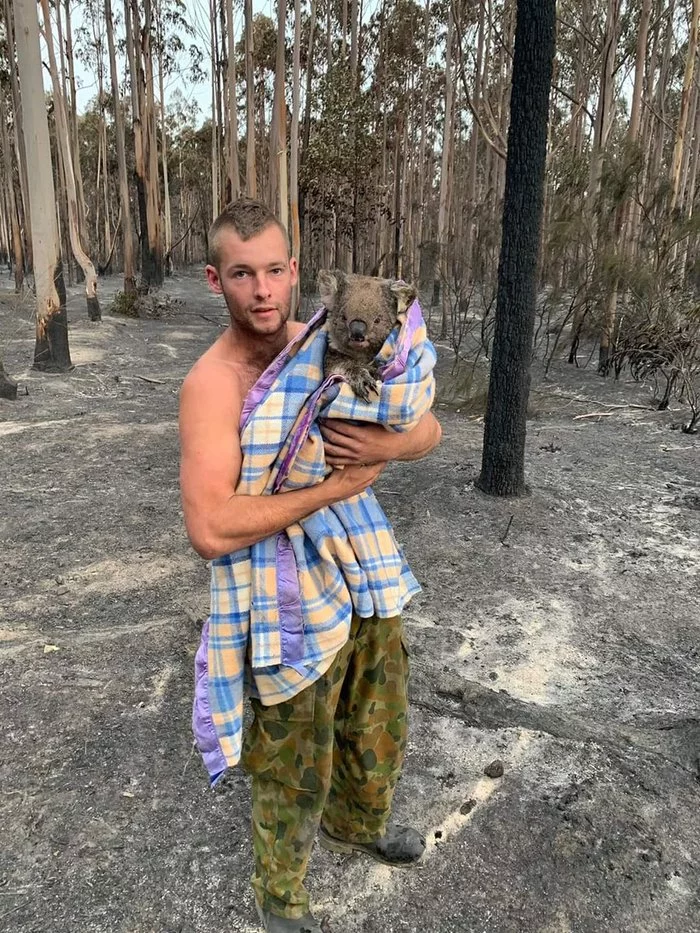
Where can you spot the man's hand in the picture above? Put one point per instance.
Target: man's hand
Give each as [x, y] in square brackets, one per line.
[346, 443]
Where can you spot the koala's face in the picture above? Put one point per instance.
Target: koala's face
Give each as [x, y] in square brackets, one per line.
[362, 310]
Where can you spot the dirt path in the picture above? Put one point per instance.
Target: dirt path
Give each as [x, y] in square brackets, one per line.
[570, 652]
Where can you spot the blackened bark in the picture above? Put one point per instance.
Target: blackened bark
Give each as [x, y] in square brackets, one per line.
[503, 462]
[51, 351]
[8, 386]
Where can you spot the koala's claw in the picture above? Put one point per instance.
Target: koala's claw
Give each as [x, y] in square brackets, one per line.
[363, 384]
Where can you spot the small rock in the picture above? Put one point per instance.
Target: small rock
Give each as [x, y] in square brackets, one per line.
[495, 769]
[61, 591]
[60, 580]
[493, 675]
[467, 806]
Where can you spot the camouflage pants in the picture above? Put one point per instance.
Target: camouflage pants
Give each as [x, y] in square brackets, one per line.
[333, 753]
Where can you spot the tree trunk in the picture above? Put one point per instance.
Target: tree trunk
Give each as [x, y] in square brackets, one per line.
[251, 182]
[443, 209]
[145, 143]
[168, 224]
[278, 198]
[16, 234]
[233, 169]
[8, 386]
[73, 116]
[422, 174]
[621, 213]
[503, 462]
[20, 144]
[306, 132]
[215, 126]
[51, 352]
[474, 147]
[294, 143]
[125, 204]
[685, 101]
[63, 141]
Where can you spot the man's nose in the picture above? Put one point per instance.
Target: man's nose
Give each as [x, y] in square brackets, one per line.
[262, 287]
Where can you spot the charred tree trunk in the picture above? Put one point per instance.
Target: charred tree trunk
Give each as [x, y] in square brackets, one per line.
[503, 462]
[8, 386]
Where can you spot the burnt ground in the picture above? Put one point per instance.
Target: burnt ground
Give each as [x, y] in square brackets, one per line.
[569, 650]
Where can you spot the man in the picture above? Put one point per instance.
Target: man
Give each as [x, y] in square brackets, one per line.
[300, 776]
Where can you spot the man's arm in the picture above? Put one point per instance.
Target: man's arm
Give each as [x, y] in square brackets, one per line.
[346, 443]
[217, 520]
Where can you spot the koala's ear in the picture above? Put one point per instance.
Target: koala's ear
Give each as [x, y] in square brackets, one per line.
[328, 283]
[405, 296]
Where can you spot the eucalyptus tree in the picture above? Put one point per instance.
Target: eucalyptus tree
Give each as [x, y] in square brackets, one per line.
[65, 148]
[51, 352]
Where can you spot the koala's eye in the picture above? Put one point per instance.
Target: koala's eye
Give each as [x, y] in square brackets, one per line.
[344, 316]
[377, 320]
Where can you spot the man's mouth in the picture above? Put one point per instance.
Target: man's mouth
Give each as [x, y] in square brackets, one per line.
[264, 309]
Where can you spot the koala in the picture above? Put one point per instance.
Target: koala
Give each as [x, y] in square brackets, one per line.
[362, 312]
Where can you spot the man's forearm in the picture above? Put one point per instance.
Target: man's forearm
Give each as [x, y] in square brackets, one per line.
[416, 443]
[243, 520]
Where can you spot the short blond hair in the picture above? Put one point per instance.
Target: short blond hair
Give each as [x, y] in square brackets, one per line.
[246, 217]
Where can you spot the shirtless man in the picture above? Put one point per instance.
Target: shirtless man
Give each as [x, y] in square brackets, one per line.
[250, 266]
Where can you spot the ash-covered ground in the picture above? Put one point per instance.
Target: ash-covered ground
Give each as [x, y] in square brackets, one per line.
[568, 648]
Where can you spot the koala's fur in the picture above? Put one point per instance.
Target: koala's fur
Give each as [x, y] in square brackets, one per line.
[362, 312]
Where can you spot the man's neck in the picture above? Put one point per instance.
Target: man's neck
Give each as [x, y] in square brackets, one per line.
[258, 350]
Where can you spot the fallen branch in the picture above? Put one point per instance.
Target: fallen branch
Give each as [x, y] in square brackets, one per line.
[595, 414]
[158, 382]
[505, 533]
[212, 321]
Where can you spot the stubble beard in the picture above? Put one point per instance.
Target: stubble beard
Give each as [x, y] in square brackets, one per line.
[245, 320]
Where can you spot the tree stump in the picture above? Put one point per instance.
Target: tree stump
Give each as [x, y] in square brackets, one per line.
[8, 386]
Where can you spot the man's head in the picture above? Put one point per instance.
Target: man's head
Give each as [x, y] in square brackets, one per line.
[249, 264]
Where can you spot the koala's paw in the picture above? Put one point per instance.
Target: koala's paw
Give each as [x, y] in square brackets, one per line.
[364, 383]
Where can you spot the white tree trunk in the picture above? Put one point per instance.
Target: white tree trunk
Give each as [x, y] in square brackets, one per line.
[51, 352]
[124, 201]
[63, 134]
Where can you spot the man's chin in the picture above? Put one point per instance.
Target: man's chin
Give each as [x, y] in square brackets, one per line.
[268, 323]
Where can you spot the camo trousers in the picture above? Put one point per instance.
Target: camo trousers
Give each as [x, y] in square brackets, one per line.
[333, 753]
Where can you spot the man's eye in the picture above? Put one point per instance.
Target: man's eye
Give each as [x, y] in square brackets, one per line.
[240, 274]
[277, 271]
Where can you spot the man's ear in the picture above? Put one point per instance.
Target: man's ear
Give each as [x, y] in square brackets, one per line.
[328, 283]
[213, 279]
[405, 296]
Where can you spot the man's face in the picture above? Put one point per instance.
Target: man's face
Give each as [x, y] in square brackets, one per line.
[255, 277]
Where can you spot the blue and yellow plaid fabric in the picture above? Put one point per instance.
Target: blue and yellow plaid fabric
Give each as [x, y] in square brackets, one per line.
[343, 557]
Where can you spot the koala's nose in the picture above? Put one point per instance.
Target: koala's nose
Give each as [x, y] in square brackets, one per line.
[358, 330]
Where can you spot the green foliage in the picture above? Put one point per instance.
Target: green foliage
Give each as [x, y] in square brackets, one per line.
[125, 305]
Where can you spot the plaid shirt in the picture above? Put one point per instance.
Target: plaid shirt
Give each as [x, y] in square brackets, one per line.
[281, 609]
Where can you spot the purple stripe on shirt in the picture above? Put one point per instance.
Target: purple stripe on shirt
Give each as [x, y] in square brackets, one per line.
[202, 725]
[302, 431]
[397, 366]
[289, 605]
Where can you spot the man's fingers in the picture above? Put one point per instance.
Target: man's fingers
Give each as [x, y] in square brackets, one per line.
[338, 442]
[338, 426]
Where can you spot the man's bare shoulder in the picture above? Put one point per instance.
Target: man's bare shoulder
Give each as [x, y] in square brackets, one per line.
[214, 376]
